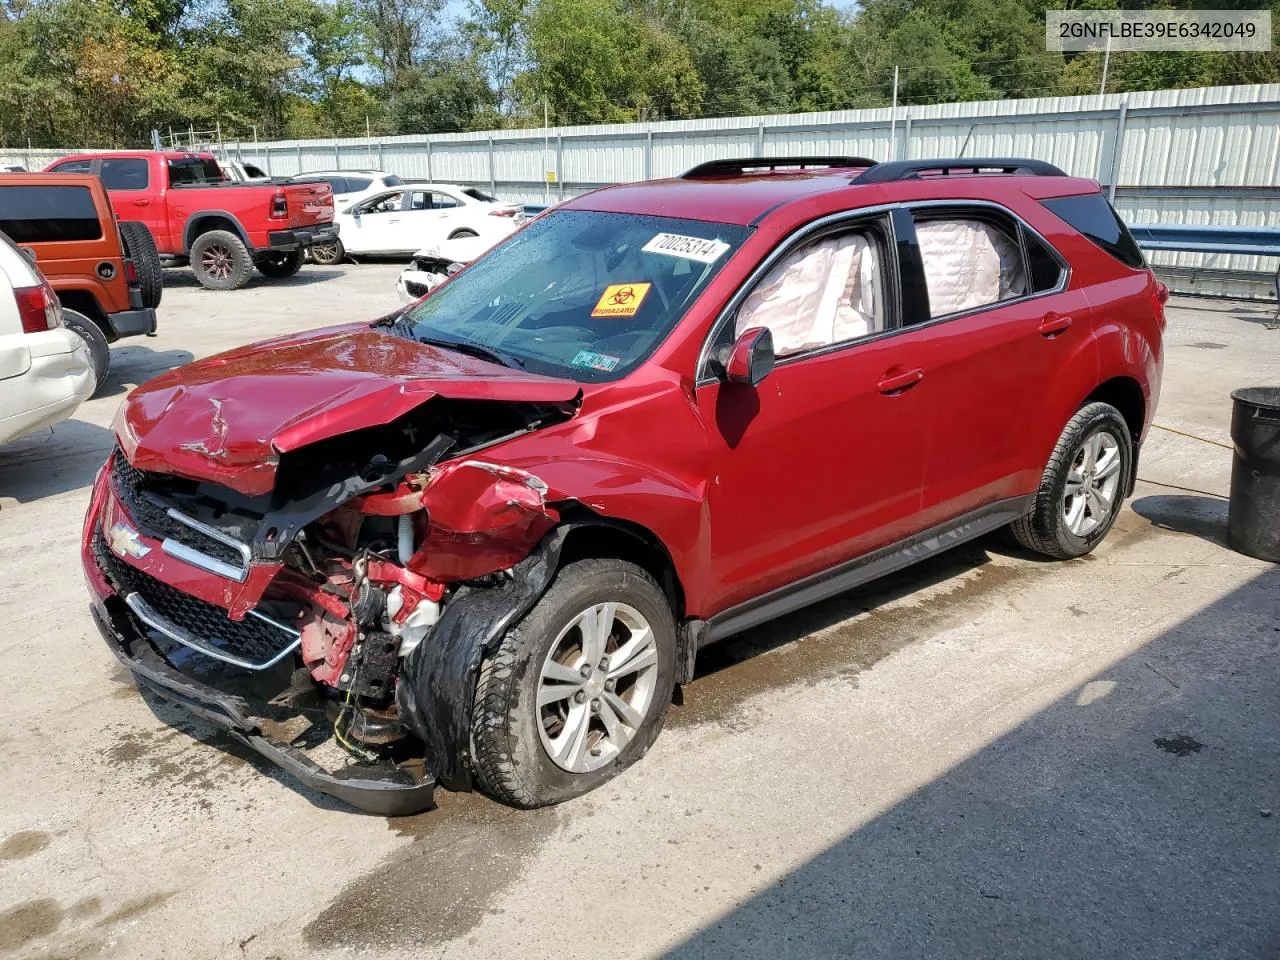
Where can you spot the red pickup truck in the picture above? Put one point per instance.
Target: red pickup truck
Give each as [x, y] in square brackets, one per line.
[198, 217]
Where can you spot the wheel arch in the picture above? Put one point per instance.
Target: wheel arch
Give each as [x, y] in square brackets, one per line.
[207, 220]
[590, 536]
[1125, 394]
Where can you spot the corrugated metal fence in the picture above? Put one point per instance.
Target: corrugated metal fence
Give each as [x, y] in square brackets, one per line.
[1196, 156]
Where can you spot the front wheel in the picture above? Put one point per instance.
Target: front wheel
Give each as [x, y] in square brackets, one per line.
[1083, 486]
[280, 266]
[579, 689]
[463, 234]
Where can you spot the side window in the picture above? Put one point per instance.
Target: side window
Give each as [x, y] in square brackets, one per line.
[825, 292]
[419, 200]
[969, 262]
[125, 174]
[442, 201]
[1046, 269]
[1091, 215]
[337, 184]
[48, 214]
[357, 184]
[73, 166]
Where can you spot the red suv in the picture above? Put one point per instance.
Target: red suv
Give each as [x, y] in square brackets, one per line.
[479, 541]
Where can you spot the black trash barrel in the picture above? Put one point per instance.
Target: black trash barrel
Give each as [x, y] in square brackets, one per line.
[1253, 519]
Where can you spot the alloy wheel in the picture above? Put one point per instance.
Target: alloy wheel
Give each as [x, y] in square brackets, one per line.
[1093, 484]
[596, 686]
[216, 261]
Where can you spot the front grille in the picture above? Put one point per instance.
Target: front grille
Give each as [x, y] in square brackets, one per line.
[148, 508]
[249, 639]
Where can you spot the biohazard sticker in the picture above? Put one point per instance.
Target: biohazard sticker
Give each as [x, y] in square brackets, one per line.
[686, 248]
[621, 300]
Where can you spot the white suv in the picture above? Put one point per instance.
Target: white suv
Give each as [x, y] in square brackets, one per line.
[45, 369]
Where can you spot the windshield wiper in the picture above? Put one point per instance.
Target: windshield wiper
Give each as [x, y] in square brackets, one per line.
[474, 349]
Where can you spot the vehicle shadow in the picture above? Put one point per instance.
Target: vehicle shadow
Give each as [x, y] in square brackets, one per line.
[309, 274]
[132, 364]
[1132, 817]
[1204, 517]
[62, 458]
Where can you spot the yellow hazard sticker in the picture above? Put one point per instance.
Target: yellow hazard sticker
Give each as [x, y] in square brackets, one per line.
[621, 300]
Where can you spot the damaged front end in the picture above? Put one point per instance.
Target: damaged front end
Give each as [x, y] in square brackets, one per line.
[335, 622]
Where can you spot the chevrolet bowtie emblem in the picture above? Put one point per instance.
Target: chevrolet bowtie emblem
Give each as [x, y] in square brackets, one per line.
[124, 540]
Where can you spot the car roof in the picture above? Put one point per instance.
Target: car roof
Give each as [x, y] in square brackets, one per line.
[718, 192]
[341, 173]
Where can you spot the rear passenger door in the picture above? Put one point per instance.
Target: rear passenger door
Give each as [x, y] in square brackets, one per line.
[1000, 319]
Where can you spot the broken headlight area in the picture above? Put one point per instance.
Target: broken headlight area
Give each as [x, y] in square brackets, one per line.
[303, 605]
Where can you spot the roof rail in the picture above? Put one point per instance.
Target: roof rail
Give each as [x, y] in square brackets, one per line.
[895, 170]
[723, 168]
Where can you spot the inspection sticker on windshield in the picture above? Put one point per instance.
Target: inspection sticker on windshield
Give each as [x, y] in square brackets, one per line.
[687, 248]
[596, 361]
[621, 300]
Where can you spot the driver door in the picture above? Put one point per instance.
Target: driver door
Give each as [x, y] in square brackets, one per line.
[374, 224]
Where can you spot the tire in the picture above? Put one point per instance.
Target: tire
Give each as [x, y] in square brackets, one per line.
[140, 247]
[1047, 528]
[99, 350]
[279, 266]
[328, 254]
[221, 261]
[464, 232]
[509, 731]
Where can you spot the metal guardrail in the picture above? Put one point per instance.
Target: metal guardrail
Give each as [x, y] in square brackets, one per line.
[1188, 238]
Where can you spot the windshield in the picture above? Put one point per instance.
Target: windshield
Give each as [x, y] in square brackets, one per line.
[577, 294]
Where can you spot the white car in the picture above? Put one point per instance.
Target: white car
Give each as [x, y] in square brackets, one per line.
[45, 369]
[243, 172]
[417, 216]
[434, 265]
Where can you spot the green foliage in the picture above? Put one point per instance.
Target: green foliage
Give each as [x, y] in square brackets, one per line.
[106, 72]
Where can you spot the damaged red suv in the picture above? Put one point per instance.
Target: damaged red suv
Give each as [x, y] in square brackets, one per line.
[478, 542]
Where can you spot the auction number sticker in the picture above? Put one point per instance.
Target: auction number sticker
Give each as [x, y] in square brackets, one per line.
[621, 300]
[687, 248]
[596, 361]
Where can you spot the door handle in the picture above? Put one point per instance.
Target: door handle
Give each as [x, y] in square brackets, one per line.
[896, 380]
[141, 202]
[396, 220]
[1053, 324]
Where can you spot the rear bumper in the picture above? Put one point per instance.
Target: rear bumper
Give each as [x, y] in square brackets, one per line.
[302, 237]
[132, 323]
[384, 791]
[50, 389]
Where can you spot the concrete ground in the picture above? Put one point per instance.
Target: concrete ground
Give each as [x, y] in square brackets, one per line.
[984, 756]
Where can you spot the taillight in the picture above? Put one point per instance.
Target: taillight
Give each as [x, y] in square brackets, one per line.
[1158, 300]
[38, 307]
[131, 273]
[279, 206]
[502, 212]
[1162, 293]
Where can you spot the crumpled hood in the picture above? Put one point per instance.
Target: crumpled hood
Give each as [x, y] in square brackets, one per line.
[229, 417]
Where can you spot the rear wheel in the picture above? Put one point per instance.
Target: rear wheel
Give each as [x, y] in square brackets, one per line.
[140, 247]
[220, 260]
[1083, 486]
[579, 689]
[327, 254]
[99, 350]
[280, 266]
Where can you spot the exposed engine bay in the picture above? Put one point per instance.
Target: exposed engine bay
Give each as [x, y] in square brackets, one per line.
[369, 544]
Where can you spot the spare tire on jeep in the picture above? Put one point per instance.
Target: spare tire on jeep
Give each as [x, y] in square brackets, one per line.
[140, 247]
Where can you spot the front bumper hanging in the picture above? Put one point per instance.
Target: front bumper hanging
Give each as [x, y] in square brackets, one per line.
[383, 789]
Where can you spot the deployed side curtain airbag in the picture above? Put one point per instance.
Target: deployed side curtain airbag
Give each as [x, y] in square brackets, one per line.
[968, 264]
[821, 294]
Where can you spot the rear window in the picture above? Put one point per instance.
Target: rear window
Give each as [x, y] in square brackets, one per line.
[1091, 215]
[356, 184]
[392, 181]
[194, 170]
[48, 214]
[125, 174]
[480, 195]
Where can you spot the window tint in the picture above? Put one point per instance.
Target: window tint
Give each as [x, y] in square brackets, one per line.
[190, 170]
[826, 292]
[74, 166]
[124, 174]
[442, 201]
[1046, 269]
[48, 214]
[251, 171]
[1091, 215]
[480, 195]
[968, 263]
[392, 181]
[356, 184]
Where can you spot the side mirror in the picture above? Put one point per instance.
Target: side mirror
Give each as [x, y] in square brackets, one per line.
[751, 358]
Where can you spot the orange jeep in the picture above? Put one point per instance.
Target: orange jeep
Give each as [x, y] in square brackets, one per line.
[106, 274]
